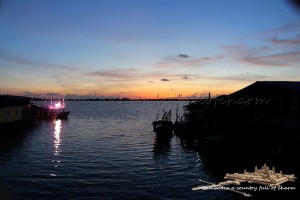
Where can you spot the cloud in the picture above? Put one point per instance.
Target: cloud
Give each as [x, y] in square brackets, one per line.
[242, 77]
[20, 60]
[17, 59]
[185, 78]
[265, 55]
[243, 50]
[127, 74]
[132, 74]
[118, 73]
[289, 27]
[182, 60]
[282, 49]
[182, 56]
[233, 47]
[284, 59]
[204, 60]
[275, 40]
[264, 48]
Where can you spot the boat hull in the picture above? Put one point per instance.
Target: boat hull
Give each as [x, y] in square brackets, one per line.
[63, 115]
[54, 114]
[162, 127]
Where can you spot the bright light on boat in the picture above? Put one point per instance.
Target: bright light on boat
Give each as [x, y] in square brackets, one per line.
[57, 105]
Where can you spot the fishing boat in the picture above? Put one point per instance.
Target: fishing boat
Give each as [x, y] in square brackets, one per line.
[164, 126]
[54, 110]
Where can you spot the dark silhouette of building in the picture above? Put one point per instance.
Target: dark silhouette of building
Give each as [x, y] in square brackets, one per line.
[14, 113]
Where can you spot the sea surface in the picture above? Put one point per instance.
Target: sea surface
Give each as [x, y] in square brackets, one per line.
[105, 150]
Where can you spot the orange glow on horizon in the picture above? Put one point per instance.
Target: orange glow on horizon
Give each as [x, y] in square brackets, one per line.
[129, 94]
[141, 91]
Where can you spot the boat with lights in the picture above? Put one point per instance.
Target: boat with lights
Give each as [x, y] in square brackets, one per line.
[54, 110]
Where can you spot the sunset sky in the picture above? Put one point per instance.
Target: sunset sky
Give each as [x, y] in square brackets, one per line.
[145, 48]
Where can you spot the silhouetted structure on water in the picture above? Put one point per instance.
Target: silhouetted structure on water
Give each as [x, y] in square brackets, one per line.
[254, 124]
[164, 126]
[262, 106]
[14, 113]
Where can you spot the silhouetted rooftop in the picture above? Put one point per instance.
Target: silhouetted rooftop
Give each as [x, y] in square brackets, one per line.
[9, 100]
[268, 88]
[284, 84]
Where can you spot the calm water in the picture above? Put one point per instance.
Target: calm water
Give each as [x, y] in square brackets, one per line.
[105, 150]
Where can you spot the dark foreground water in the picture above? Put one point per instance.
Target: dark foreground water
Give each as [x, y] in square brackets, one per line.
[105, 150]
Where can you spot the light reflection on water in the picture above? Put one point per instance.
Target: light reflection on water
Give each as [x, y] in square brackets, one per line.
[57, 139]
[57, 143]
